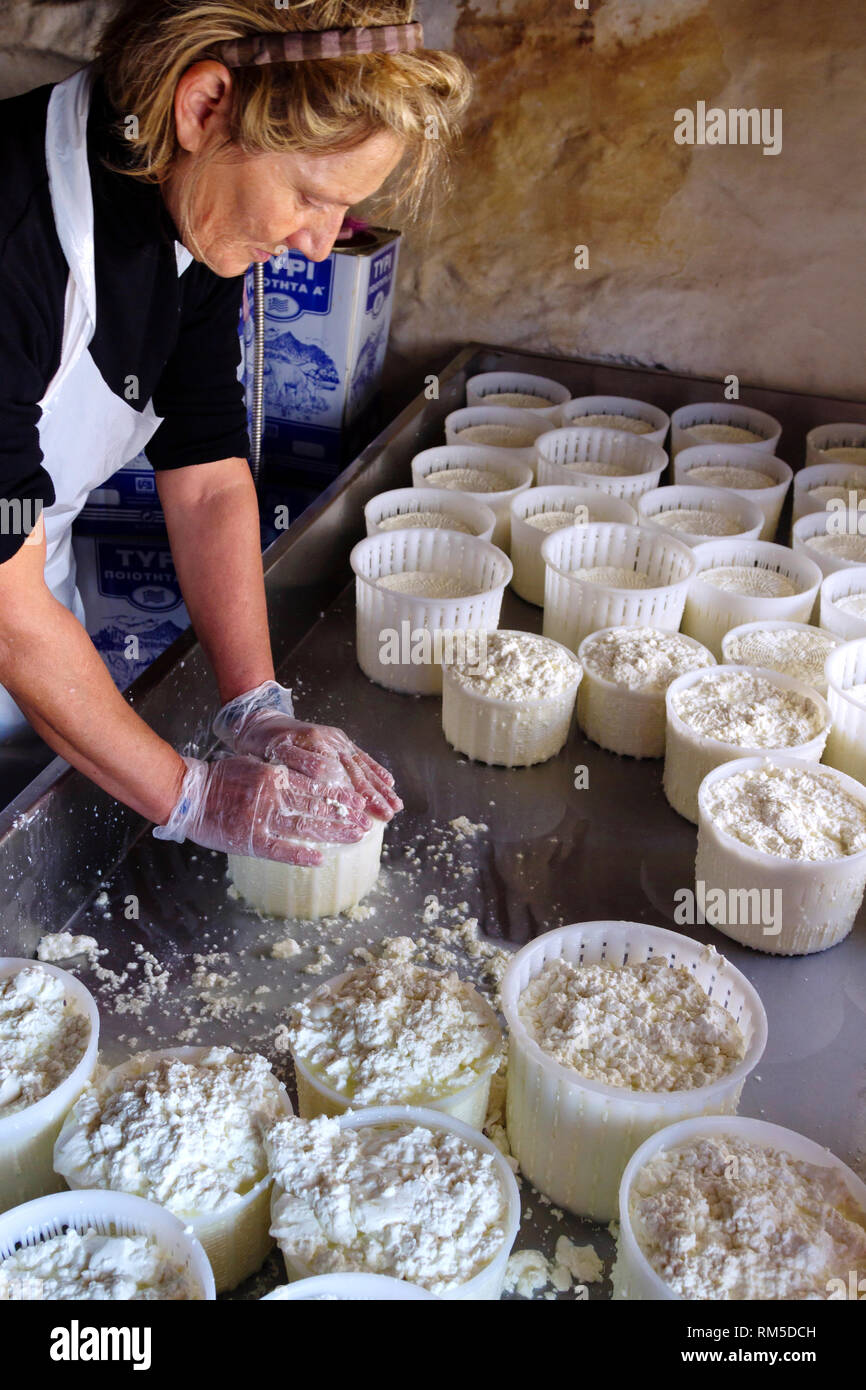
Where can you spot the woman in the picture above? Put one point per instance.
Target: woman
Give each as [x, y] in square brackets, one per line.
[135, 194]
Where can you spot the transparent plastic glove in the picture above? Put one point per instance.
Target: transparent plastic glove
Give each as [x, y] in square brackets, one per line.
[244, 806]
[262, 723]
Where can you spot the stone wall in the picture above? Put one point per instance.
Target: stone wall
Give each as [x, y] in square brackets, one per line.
[701, 259]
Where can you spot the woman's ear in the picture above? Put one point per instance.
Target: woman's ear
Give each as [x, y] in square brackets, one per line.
[202, 101]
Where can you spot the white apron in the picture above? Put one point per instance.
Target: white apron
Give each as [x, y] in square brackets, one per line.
[86, 432]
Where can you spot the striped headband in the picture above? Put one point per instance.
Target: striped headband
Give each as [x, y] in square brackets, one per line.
[258, 49]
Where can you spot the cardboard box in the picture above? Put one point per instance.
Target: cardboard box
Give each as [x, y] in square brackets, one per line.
[326, 334]
[126, 577]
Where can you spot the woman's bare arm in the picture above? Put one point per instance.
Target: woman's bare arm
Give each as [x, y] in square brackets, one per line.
[53, 671]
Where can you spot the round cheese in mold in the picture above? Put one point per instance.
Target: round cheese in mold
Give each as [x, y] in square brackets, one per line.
[718, 715]
[782, 846]
[511, 702]
[626, 671]
[346, 874]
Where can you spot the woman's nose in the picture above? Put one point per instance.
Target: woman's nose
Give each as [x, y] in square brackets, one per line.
[316, 241]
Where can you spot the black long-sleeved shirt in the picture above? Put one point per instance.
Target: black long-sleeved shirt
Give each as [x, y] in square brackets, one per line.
[178, 335]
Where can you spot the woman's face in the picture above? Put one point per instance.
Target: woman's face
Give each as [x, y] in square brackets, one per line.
[243, 207]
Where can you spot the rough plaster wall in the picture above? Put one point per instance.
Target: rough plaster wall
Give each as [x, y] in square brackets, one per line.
[707, 260]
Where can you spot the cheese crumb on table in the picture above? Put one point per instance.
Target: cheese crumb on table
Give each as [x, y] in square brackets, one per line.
[719, 1218]
[647, 1026]
[392, 1034]
[43, 1037]
[185, 1134]
[747, 711]
[728, 475]
[754, 580]
[403, 1200]
[87, 1265]
[469, 480]
[642, 658]
[529, 1272]
[793, 813]
[62, 945]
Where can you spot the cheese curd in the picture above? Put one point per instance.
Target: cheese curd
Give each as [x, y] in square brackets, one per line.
[88, 1265]
[726, 475]
[392, 1033]
[747, 711]
[42, 1037]
[720, 1218]
[426, 584]
[792, 813]
[404, 1200]
[469, 480]
[187, 1135]
[645, 1027]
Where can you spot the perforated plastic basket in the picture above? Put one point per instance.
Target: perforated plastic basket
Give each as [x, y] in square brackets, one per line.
[588, 504]
[405, 502]
[737, 512]
[846, 584]
[580, 457]
[689, 755]
[575, 607]
[27, 1136]
[633, 1275]
[235, 1237]
[819, 899]
[658, 420]
[482, 390]
[109, 1213]
[730, 413]
[517, 474]
[630, 722]
[487, 1284]
[710, 612]
[816, 485]
[841, 436]
[752, 644]
[508, 733]
[396, 632]
[769, 499]
[530, 423]
[846, 746]
[573, 1137]
[812, 533]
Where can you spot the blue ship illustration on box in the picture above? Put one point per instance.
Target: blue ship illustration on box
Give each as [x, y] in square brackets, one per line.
[326, 334]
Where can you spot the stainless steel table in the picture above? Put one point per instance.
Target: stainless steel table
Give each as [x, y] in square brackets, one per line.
[183, 959]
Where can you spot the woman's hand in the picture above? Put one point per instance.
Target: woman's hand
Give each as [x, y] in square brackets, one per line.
[262, 723]
[243, 806]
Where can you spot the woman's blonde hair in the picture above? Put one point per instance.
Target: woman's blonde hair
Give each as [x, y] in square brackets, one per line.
[318, 106]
